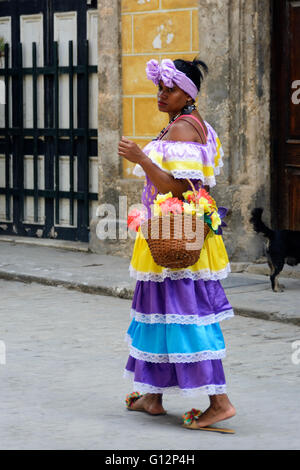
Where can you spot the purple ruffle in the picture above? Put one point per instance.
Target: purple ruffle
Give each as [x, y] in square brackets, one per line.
[207, 376]
[180, 297]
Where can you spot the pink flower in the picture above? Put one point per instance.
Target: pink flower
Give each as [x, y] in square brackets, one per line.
[135, 218]
[172, 204]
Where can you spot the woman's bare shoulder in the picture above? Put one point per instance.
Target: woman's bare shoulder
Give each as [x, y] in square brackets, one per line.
[182, 131]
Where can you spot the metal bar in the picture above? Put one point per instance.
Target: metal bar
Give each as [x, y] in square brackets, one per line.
[48, 132]
[86, 127]
[35, 136]
[20, 155]
[6, 137]
[49, 70]
[61, 233]
[71, 114]
[56, 126]
[80, 132]
[79, 195]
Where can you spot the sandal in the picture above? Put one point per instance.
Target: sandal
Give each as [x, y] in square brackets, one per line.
[131, 398]
[190, 422]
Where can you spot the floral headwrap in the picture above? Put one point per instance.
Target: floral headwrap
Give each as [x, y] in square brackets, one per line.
[168, 73]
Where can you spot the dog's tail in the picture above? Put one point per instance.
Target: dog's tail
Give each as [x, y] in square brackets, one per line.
[258, 224]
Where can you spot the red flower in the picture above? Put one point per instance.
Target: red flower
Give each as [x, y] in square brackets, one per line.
[203, 193]
[190, 198]
[134, 219]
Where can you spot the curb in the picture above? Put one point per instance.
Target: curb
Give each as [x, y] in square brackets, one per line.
[263, 269]
[123, 293]
[46, 242]
[270, 316]
[127, 294]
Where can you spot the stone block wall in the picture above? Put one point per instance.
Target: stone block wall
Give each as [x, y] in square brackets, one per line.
[151, 29]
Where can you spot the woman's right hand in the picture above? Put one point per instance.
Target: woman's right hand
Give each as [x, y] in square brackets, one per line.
[131, 151]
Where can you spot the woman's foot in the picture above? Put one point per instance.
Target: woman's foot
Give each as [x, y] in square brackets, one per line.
[150, 403]
[220, 409]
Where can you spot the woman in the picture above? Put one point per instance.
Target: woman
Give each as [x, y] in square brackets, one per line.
[175, 339]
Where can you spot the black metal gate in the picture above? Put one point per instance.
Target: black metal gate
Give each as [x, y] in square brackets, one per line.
[51, 144]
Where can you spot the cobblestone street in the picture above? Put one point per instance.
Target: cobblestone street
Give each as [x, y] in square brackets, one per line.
[62, 383]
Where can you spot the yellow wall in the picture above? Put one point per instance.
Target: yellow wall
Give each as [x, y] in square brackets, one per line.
[151, 29]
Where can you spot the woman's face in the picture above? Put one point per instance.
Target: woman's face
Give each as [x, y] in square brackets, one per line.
[171, 100]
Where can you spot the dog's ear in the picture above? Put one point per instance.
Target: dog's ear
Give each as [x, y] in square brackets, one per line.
[256, 214]
[257, 211]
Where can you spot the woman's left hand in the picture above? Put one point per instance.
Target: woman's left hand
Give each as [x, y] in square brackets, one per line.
[130, 150]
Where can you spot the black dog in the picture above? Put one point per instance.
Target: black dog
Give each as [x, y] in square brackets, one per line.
[283, 246]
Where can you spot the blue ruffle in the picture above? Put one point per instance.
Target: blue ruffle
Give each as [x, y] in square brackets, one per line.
[161, 338]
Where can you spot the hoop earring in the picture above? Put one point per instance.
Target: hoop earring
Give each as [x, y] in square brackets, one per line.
[188, 109]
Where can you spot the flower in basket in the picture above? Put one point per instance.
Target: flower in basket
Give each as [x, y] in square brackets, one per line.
[166, 203]
[162, 197]
[173, 204]
[205, 204]
[189, 208]
[200, 203]
[215, 220]
[135, 218]
[189, 196]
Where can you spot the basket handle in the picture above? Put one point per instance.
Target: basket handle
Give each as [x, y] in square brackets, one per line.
[193, 187]
[195, 193]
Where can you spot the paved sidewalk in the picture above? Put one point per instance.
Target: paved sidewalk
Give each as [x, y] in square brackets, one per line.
[62, 386]
[249, 293]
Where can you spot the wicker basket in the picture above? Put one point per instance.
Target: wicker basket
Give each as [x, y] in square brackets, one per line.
[175, 240]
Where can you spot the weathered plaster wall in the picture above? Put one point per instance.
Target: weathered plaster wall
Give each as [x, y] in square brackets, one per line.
[235, 39]
[249, 176]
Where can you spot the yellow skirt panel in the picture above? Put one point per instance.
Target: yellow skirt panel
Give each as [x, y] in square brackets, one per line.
[213, 257]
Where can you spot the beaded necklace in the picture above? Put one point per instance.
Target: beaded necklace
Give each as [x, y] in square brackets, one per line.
[185, 110]
[162, 132]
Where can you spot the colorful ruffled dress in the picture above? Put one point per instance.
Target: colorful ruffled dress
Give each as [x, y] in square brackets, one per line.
[175, 340]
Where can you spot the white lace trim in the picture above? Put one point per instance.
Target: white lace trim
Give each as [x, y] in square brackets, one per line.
[140, 387]
[138, 170]
[181, 319]
[205, 274]
[195, 174]
[179, 174]
[173, 357]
